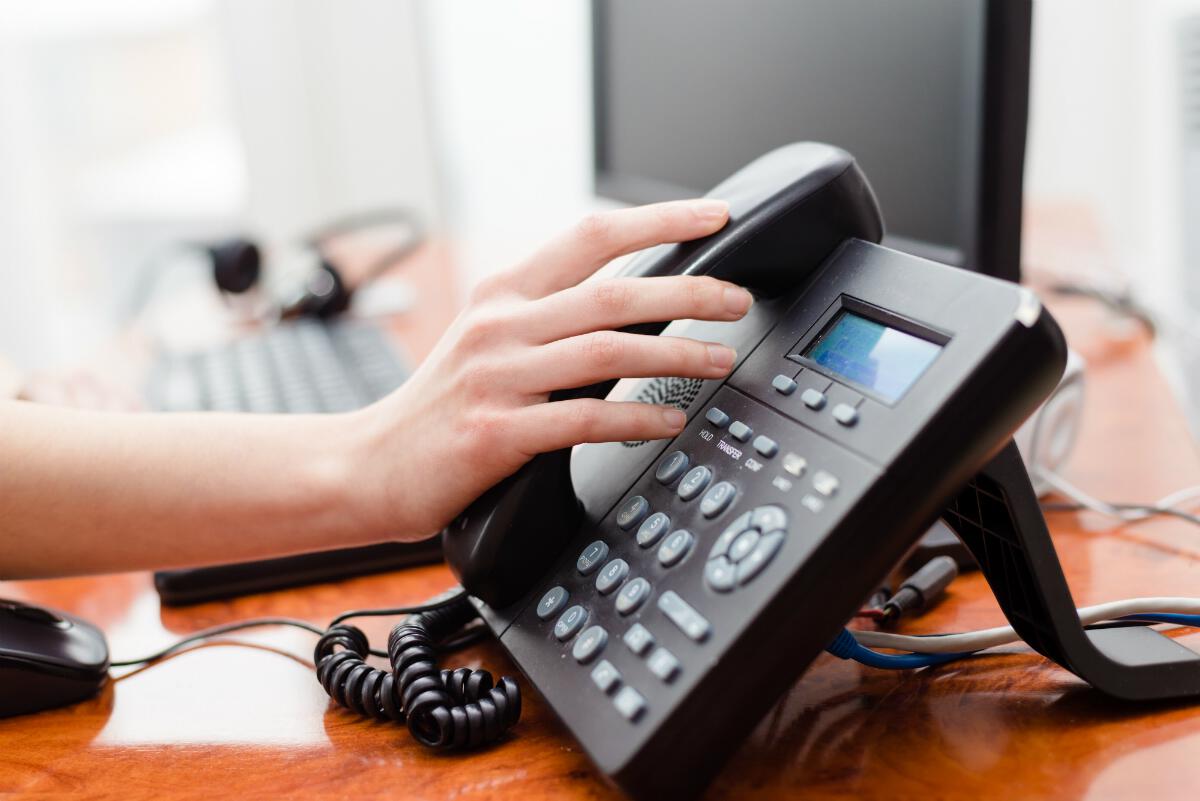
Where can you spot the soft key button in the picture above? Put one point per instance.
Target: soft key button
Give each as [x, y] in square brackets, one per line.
[845, 414]
[717, 417]
[740, 431]
[766, 446]
[783, 384]
[813, 399]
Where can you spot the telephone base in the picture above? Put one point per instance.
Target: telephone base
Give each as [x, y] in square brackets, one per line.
[998, 516]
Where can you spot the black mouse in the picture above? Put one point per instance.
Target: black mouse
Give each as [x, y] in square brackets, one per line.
[47, 659]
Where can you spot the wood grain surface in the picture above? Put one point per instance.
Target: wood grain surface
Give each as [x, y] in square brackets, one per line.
[224, 721]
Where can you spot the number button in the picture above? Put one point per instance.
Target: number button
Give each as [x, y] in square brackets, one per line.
[694, 482]
[717, 499]
[675, 547]
[632, 596]
[671, 467]
[554, 600]
[590, 643]
[571, 621]
[591, 557]
[652, 530]
[611, 576]
[633, 512]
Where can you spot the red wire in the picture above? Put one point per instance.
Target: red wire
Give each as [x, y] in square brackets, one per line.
[872, 613]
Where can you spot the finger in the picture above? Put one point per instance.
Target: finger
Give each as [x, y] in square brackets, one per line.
[617, 302]
[600, 238]
[562, 424]
[588, 358]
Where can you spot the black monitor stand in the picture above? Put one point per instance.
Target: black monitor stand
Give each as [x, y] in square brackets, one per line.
[998, 517]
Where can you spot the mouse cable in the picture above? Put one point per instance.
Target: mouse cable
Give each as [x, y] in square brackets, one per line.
[442, 708]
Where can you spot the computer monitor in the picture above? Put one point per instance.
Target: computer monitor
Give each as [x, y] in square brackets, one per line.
[931, 96]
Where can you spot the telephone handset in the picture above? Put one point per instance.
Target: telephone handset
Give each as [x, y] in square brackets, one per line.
[662, 596]
[788, 210]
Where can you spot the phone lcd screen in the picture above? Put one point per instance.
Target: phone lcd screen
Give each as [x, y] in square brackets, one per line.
[874, 355]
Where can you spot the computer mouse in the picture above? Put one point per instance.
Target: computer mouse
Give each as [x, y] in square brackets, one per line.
[48, 659]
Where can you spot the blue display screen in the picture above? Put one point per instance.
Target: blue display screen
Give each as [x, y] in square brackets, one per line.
[880, 358]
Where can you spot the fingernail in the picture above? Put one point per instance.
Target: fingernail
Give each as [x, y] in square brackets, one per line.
[737, 300]
[674, 419]
[721, 356]
[709, 209]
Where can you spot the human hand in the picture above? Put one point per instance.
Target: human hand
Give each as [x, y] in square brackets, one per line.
[476, 409]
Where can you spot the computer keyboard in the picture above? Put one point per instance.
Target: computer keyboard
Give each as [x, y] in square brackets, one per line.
[297, 367]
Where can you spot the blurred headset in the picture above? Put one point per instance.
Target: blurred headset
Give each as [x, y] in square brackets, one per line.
[237, 264]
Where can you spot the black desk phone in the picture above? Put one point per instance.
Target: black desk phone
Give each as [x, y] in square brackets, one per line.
[663, 595]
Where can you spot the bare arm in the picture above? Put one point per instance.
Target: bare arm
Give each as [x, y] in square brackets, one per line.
[89, 492]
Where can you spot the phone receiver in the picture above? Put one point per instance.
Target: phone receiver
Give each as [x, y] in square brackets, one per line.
[788, 211]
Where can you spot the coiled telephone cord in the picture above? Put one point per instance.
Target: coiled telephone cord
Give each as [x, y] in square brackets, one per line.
[443, 708]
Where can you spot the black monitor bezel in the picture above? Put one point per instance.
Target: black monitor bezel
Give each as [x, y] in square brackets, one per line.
[995, 247]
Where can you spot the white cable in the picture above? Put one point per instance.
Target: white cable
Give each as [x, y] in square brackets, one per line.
[1002, 635]
[1176, 500]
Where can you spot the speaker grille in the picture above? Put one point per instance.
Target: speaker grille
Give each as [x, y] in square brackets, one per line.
[677, 392]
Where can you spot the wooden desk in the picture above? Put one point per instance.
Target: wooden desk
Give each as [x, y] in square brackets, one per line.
[237, 722]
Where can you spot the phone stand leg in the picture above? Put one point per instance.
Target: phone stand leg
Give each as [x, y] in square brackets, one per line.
[998, 516]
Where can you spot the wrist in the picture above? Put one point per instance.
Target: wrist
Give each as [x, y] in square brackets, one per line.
[373, 476]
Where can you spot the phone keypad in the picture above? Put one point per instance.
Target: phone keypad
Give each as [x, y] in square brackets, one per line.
[742, 551]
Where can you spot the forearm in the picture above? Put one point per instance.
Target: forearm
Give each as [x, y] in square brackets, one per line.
[92, 492]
